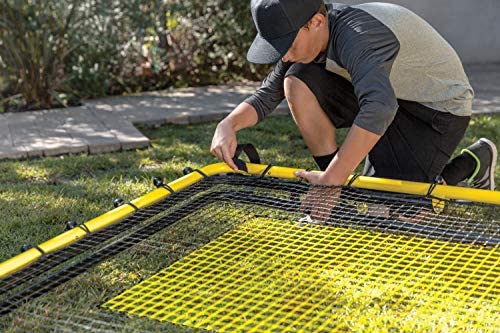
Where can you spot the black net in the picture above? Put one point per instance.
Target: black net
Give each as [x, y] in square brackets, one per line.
[365, 252]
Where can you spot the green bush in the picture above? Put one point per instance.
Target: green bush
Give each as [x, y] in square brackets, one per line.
[34, 47]
[93, 48]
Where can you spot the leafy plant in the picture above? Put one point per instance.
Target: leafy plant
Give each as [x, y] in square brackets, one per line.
[92, 48]
[34, 47]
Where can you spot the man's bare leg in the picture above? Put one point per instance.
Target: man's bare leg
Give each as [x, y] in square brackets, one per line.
[313, 123]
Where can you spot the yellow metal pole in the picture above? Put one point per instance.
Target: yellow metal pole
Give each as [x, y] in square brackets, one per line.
[389, 185]
[396, 186]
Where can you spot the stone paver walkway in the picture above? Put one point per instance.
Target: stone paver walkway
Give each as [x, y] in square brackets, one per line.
[107, 124]
[63, 131]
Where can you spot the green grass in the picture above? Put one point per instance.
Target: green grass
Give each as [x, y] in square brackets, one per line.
[38, 196]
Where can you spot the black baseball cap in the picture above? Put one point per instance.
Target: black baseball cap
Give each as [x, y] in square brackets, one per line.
[277, 23]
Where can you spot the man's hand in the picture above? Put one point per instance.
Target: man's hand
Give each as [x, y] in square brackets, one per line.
[224, 144]
[316, 178]
[320, 199]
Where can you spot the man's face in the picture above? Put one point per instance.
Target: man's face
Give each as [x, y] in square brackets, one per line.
[306, 46]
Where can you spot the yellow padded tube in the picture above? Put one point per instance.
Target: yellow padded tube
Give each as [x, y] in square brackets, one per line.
[389, 185]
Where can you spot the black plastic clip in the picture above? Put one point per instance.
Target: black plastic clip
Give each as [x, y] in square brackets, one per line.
[26, 247]
[117, 202]
[158, 182]
[120, 202]
[71, 225]
[188, 170]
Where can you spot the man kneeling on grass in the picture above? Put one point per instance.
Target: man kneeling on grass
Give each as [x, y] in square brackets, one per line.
[377, 68]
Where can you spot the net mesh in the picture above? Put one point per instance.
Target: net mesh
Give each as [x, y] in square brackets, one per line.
[238, 253]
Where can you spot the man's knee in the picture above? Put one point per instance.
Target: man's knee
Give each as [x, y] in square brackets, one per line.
[296, 91]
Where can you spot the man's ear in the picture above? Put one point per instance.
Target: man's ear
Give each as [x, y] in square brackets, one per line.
[317, 20]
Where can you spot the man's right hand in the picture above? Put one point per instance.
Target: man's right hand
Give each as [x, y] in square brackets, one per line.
[224, 141]
[224, 144]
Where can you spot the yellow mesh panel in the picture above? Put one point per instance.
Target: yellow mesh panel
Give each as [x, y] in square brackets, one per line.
[276, 276]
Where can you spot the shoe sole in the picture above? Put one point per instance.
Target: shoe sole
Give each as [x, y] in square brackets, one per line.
[494, 151]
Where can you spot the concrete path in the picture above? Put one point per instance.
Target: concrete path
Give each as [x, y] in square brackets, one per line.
[63, 131]
[485, 79]
[107, 124]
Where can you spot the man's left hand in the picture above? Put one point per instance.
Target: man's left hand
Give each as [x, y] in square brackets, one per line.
[320, 198]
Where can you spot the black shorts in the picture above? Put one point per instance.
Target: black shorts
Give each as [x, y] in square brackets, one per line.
[416, 146]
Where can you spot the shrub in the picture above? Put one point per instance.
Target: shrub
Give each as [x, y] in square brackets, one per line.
[34, 47]
[93, 48]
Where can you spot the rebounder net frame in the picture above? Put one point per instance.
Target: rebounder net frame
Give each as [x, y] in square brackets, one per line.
[223, 251]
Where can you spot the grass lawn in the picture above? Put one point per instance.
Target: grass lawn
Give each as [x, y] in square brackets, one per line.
[38, 196]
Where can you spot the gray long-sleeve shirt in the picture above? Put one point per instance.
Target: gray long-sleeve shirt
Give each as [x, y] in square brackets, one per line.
[388, 53]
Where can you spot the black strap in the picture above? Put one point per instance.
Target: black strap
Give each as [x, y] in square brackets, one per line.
[168, 188]
[249, 150]
[353, 179]
[132, 205]
[251, 153]
[240, 164]
[438, 180]
[39, 249]
[84, 228]
[201, 173]
[266, 170]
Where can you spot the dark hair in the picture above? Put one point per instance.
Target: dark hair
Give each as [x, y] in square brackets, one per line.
[322, 10]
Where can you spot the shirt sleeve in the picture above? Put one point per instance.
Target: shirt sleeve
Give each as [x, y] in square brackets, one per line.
[271, 92]
[366, 48]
